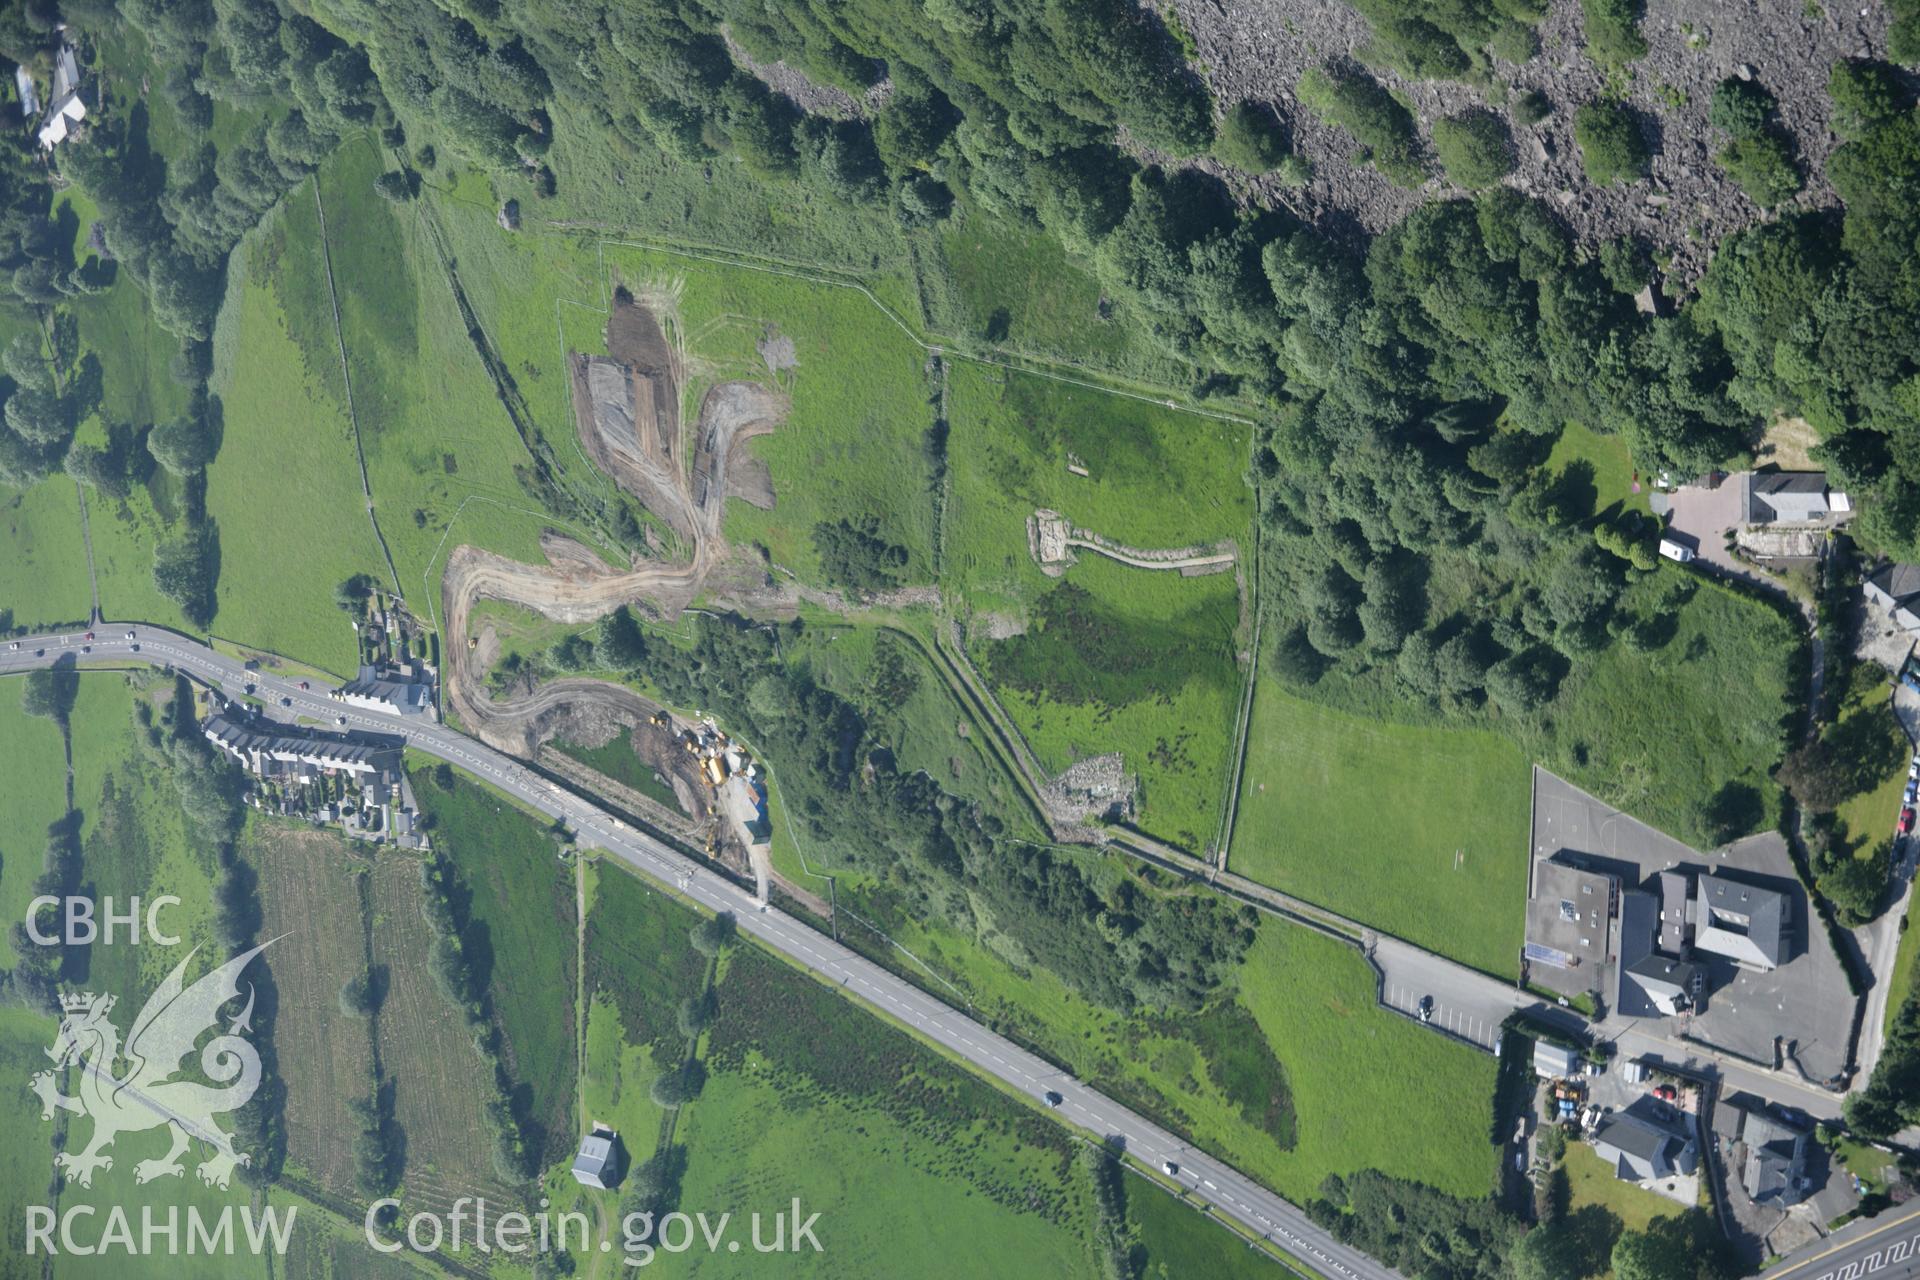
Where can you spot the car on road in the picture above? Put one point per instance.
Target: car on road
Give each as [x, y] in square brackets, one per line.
[1169, 1168]
[286, 702]
[1425, 1009]
[305, 685]
[39, 653]
[1053, 1099]
[86, 648]
[129, 635]
[1906, 821]
[1913, 770]
[339, 719]
[89, 635]
[15, 646]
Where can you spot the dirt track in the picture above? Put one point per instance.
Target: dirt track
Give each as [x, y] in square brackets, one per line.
[626, 409]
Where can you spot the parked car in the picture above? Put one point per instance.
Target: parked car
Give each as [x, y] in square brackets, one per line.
[1912, 789]
[1906, 821]
[1665, 1092]
[1913, 770]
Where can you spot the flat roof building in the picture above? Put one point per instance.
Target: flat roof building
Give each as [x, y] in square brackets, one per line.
[1552, 1061]
[1567, 920]
[1676, 922]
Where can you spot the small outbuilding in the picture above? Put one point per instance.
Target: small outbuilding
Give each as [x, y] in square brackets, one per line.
[600, 1161]
[1552, 1061]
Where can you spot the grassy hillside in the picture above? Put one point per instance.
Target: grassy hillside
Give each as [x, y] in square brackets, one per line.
[1418, 830]
[285, 488]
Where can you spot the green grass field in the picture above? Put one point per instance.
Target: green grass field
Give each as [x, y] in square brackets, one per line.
[1906, 969]
[1372, 1090]
[1014, 289]
[523, 912]
[1179, 1241]
[1863, 823]
[26, 1158]
[855, 440]
[1613, 474]
[1110, 657]
[639, 968]
[1591, 1182]
[43, 578]
[441, 451]
[309, 890]
[285, 488]
[1305, 1018]
[1665, 733]
[1117, 659]
[30, 755]
[135, 838]
[134, 844]
[1158, 478]
[916, 1166]
[1347, 812]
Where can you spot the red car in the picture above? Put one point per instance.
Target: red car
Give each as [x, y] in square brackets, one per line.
[1906, 822]
[89, 635]
[304, 685]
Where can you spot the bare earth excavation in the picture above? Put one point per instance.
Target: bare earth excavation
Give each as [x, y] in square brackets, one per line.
[627, 411]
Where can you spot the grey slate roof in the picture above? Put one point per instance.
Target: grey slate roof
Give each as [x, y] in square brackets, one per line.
[1893, 583]
[1743, 922]
[1638, 1148]
[1776, 1159]
[407, 696]
[598, 1163]
[1665, 984]
[261, 744]
[1788, 495]
[1639, 918]
[1675, 889]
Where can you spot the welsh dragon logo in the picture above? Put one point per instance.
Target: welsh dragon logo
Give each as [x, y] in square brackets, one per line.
[147, 1093]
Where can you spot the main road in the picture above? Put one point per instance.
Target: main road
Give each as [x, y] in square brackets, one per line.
[1215, 1186]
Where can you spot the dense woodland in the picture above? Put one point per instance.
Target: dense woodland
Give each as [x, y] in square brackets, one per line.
[1108, 937]
[1416, 382]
